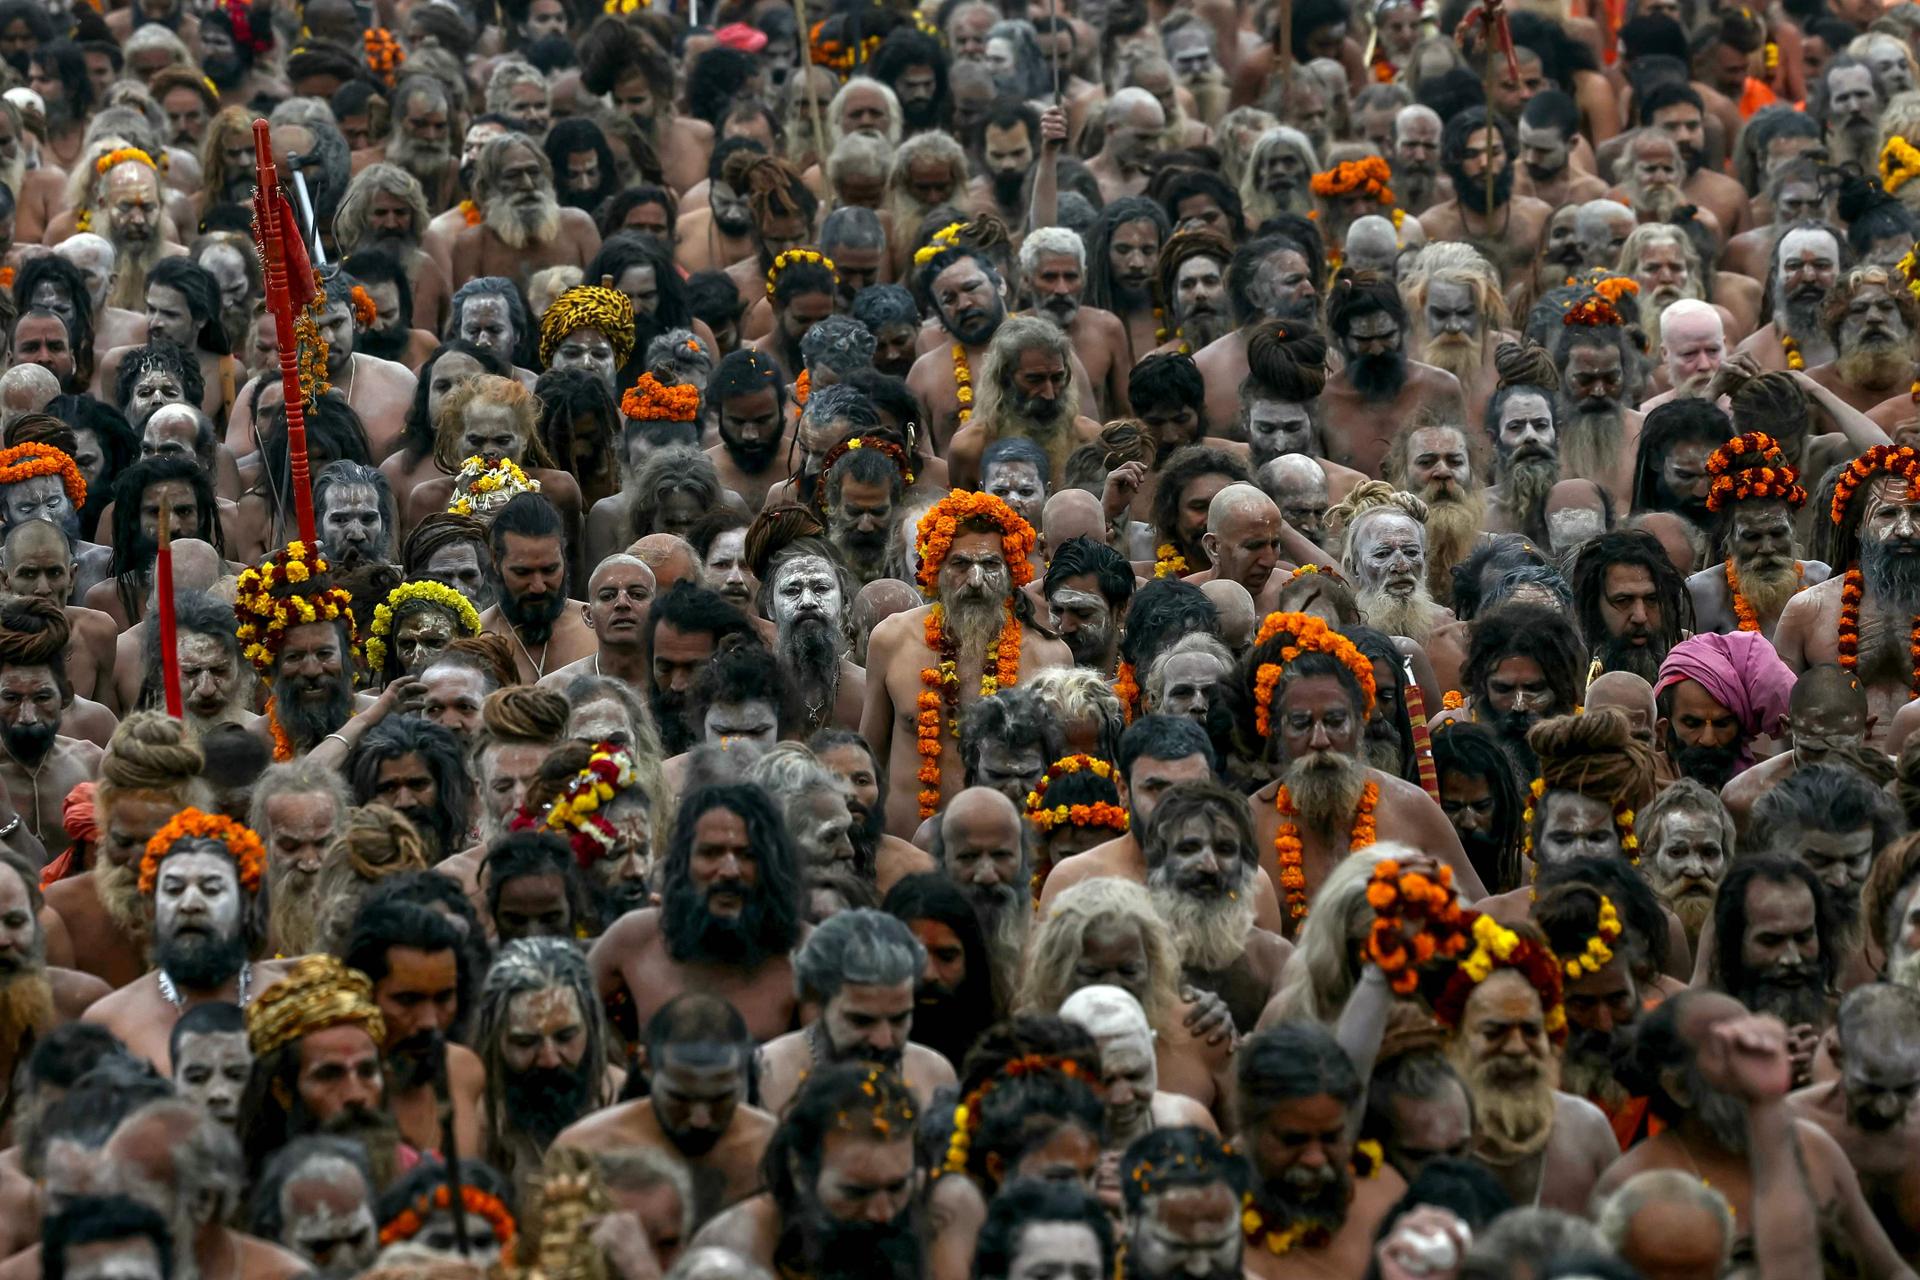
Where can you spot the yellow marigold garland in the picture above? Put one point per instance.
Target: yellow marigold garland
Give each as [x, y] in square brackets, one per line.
[1899, 163]
[942, 240]
[1598, 954]
[31, 460]
[1168, 562]
[650, 400]
[1791, 346]
[1497, 947]
[265, 617]
[438, 593]
[249, 855]
[791, 257]
[481, 486]
[962, 383]
[1099, 814]
[123, 155]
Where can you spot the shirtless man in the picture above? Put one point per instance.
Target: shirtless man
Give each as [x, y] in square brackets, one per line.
[751, 397]
[1506, 227]
[1026, 387]
[1827, 709]
[523, 228]
[1761, 555]
[1378, 387]
[699, 1058]
[1805, 266]
[1247, 541]
[36, 560]
[27, 981]
[530, 568]
[1871, 320]
[1053, 267]
[730, 919]
[969, 300]
[1881, 525]
[859, 968]
[618, 593]
[973, 576]
[37, 763]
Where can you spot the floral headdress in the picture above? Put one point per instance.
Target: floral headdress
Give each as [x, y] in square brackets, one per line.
[1368, 175]
[1099, 814]
[1599, 951]
[579, 811]
[1899, 163]
[939, 242]
[1623, 819]
[1497, 947]
[650, 400]
[1898, 461]
[384, 54]
[364, 311]
[406, 1224]
[793, 257]
[481, 488]
[588, 306]
[32, 459]
[1310, 635]
[1594, 312]
[1751, 467]
[249, 855]
[934, 538]
[1429, 903]
[281, 593]
[966, 1116]
[121, 156]
[836, 54]
[465, 616]
[879, 444]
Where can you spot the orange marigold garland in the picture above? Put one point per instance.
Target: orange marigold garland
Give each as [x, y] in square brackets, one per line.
[249, 855]
[384, 54]
[1411, 898]
[1368, 175]
[1292, 853]
[406, 1224]
[123, 155]
[940, 695]
[32, 459]
[803, 388]
[470, 213]
[1099, 814]
[650, 400]
[282, 741]
[966, 1116]
[934, 536]
[1127, 688]
[1896, 462]
[1750, 468]
[1742, 610]
[364, 311]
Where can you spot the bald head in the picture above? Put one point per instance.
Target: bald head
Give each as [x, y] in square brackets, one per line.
[671, 558]
[1373, 244]
[875, 603]
[1292, 476]
[1070, 514]
[1599, 229]
[196, 565]
[621, 560]
[1237, 503]
[1105, 1013]
[26, 388]
[1134, 109]
[1629, 693]
[1237, 613]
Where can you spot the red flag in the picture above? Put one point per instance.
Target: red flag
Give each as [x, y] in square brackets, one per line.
[271, 211]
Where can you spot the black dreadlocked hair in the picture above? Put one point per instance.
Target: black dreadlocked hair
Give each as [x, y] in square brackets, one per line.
[1641, 550]
[1463, 747]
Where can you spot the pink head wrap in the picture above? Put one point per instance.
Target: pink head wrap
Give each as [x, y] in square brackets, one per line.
[1741, 672]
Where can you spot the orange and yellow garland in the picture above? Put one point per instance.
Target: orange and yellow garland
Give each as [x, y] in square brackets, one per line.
[249, 855]
[1368, 175]
[1774, 479]
[1168, 562]
[1898, 462]
[1791, 345]
[1098, 814]
[1742, 610]
[650, 400]
[384, 54]
[962, 383]
[123, 155]
[407, 1223]
[803, 388]
[364, 311]
[469, 213]
[1429, 902]
[1126, 687]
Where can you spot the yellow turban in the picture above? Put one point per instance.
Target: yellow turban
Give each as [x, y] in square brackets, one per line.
[588, 306]
[317, 993]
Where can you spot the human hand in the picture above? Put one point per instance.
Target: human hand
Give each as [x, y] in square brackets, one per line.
[1426, 1244]
[1053, 130]
[1123, 483]
[404, 696]
[1734, 372]
[623, 1242]
[1751, 1057]
[1209, 1019]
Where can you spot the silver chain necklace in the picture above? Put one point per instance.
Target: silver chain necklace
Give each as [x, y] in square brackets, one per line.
[178, 1001]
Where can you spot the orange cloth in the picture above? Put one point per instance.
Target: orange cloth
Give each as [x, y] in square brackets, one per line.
[82, 824]
[1757, 95]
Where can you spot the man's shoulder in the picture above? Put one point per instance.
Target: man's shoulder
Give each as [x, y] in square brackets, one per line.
[618, 1125]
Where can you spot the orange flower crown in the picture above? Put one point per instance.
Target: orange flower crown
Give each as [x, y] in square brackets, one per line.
[934, 538]
[407, 1223]
[1898, 461]
[826, 51]
[122, 156]
[1101, 813]
[364, 312]
[1752, 467]
[650, 400]
[249, 855]
[1310, 635]
[893, 452]
[1368, 175]
[31, 460]
[1427, 902]
[1594, 312]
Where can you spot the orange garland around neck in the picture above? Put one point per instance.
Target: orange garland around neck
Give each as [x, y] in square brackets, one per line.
[1852, 592]
[1742, 610]
[1287, 843]
[282, 743]
[940, 694]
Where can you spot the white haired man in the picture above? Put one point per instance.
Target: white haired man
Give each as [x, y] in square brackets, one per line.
[1693, 343]
[1053, 272]
[1025, 387]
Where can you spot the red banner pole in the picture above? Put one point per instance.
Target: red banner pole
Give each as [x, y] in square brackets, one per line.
[169, 650]
[269, 230]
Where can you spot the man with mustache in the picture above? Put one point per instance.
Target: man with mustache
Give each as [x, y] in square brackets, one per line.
[199, 875]
[1675, 110]
[1603, 1000]
[803, 289]
[421, 142]
[1312, 710]
[1549, 126]
[805, 596]
[1670, 462]
[1831, 818]
[620, 63]
[523, 228]
[1596, 363]
[1297, 1098]
[1877, 519]
[1524, 665]
[1123, 245]
[315, 1037]
[414, 767]
[1847, 100]
[953, 998]
[859, 968]
[1415, 157]
[1775, 947]
[1716, 693]
[353, 507]
[543, 1040]
[1693, 346]
[1871, 319]
[1088, 586]
[842, 1198]
[1545, 1147]
[1480, 792]
[1190, 287]
[1661, 259]
[1631, 603]
[750, 393]
[1378, 386]
[969, 300]
[308, 665]
[1453, 295]
[729, 916]
[384, 211]
[980, 843]
[1432, 459]
[37, 559]
[1274, 278]
[1053, 266]
[1386, 561]
[1487, 213]
[1131, 126]
[38, 763]
[528, 545]
[684, 628]
[1869, 1110]
[1826, 712]
[861, 492]
[1183, 1210]
[1009, 142]
[1521, 420]
[1201, 864]
[699, 1061]
[300, 810]
[1687, 840]
[35, 997]
[415, 959]
[1805, 265]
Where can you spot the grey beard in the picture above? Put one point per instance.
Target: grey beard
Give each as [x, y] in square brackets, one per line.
[810, 657]
[1515, 1114]
[1879, 365]
[520, 226]
[1590, 441]
[293, 922]
[1892, 578]
[1768, 585]
[973, 622]
[1414, 616]
[1904, 971]
[1524, 490]
[1211, 932]
[1800, 316]
[1724, 1115]
[1325, 788]
[424, 160]
[1201, 329]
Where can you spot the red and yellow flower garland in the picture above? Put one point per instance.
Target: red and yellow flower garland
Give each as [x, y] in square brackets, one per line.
[579, 811]
[1497, 947]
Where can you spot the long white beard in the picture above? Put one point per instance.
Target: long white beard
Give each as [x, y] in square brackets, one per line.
[1210, 932]
[522, 226]
[1414, 616]
[1590, 443]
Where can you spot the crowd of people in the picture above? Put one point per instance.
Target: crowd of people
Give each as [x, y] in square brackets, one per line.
[1140, 640]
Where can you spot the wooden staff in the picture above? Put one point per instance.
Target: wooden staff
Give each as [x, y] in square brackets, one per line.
[274, 227]
[163, 588]
[806, 84]
[1286, 56]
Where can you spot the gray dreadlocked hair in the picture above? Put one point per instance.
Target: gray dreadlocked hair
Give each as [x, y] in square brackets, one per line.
[839, 343]
[520, 968]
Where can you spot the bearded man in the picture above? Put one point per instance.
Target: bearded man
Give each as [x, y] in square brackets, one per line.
[385, 210]
[1871, 319]
[1755, 493]
[1847, 100]
[1298, 1092]
[1378, 385]
[421, 142]
[523, 228]
[1454, 298]
[974, 572]
[1506, 226]
[1415, 157]
[1833, 820]
[861, 492]
[37, 559]
[309, 664]
[1877, 529]
[953, 999]
[1664, 263]
[300, 810]
[1693, 345]
[859, 969]
[1651, 185]
[1775, 947]
[1524, 665]
[542, 1037]
[1201, 864]
[353, 507]
[129, 194]
[1313, 711]
[35, 997]
[199, 875]
[414, 767]
[805, 594]
[729, 916]
[38, 763]
[1053, 271]
[969, 300]
[752, 399]
[1804, 267]
[618, 62]
[1603, 999]
[530, 570]
[1687, 839]
[1190, 288]
[1385, 558]
[1597, 364]
[1433, 460]
[683, 630]
[1526, 466]
[1631, 602]
[1544, 1146]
